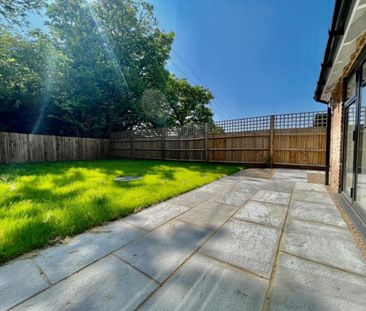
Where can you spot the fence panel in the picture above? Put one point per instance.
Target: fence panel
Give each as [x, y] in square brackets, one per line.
[20, 148]
[296, 139]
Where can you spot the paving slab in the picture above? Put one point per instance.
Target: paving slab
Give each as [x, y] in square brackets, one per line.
[274, 197]
[218, 186]
[192, 198]
[157, 215]
[263, 213]
[209, 214]
[162, 251]
[303, 285]
[329, 245]
[235, 179]
[310, 187]
[60, 261]
[109, 284]
[235, 198]
[246, 245]
[290, 173]
[279, 186]
[206, 284]
[19, 280]
[312, 196]
[316, 212]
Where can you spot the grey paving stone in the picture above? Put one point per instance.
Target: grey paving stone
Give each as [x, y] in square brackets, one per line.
[254, 181]
[324, 213]
[290, 173]
[192, 198]
[274, 197]
[19, 280]
[157, 215]
[108, 284]
[279, 186]
[163, 250]
[209, 214]
[63, 260]
[312, 196]
[246, 245]
[246, 187]
[310, 187]
[302, 285]
[329, 245]
[206, 284]
[218, 186]
[235, 198]
[235, 179]
[264, 213]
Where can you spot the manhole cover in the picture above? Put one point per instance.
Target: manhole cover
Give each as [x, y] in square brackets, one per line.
[126, 178]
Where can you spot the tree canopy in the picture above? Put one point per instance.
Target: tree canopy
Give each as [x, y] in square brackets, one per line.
[16, 11]
[100, 67]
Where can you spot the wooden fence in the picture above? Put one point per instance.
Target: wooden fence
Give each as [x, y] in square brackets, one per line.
[281, 140]
[19, 148]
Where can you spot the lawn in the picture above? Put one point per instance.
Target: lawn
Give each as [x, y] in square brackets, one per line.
[42, 202]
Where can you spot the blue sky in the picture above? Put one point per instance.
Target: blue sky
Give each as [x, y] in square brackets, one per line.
[258, 57]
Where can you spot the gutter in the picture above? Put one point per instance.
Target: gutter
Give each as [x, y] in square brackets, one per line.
[335, 34]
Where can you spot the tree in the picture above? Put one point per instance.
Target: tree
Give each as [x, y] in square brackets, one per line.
[15, 12]
[187, 103]
[99, 68]
[113, 52]
[24, 77]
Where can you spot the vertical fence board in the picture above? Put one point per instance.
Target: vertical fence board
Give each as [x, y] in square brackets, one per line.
[21, 148]
[289, 139]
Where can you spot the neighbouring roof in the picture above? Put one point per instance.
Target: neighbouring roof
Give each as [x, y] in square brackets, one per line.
[348, 23]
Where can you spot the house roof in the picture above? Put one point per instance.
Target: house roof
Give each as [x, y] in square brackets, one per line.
[348, 23]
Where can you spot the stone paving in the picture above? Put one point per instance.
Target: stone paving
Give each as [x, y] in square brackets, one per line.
[243, 242]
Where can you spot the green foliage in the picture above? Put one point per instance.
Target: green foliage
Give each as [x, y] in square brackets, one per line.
[42, 202]
[14, 12]
[100, 68]
[187, 103]
[24, 77]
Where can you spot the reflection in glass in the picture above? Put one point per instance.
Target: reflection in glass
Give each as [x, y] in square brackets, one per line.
[351, 86]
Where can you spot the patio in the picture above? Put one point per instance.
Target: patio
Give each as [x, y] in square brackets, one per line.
[259, 239]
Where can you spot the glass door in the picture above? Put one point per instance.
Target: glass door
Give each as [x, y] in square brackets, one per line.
[349, 145]
[361, 166]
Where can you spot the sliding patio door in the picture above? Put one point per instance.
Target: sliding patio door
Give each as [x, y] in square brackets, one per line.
[349, 151]
[361, 167]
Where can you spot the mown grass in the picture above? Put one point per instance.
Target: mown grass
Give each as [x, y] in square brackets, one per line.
[45, 201]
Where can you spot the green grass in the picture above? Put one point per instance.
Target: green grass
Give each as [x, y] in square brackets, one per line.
[45, 201]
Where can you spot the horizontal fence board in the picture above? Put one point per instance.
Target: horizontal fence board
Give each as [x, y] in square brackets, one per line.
[22, 148]
[290, 139]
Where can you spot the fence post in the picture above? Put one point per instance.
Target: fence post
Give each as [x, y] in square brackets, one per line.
[163, 137]
[206, 142]
[131, 144]
[271, 139]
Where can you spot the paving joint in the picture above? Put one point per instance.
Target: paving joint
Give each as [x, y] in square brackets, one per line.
[277, 257]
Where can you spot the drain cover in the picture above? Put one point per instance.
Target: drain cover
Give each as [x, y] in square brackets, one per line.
[126, 178]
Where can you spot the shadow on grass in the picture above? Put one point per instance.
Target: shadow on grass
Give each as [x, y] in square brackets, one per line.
[59, 199]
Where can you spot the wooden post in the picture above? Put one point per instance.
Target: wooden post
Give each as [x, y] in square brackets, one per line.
[131, 144]
[271, 139]
[206, 142]
[163, 137]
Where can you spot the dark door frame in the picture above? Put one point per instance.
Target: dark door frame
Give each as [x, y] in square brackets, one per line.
[357, 69]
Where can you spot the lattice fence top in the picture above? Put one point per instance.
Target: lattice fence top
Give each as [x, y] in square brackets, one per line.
[244, 125]
[301, 120]
[284, 121]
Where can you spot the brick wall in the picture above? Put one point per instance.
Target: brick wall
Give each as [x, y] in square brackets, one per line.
[336, 143]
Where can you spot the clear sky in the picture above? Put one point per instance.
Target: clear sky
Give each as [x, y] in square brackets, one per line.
[258, 57]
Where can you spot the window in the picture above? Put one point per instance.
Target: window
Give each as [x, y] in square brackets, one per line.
[351, 86]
